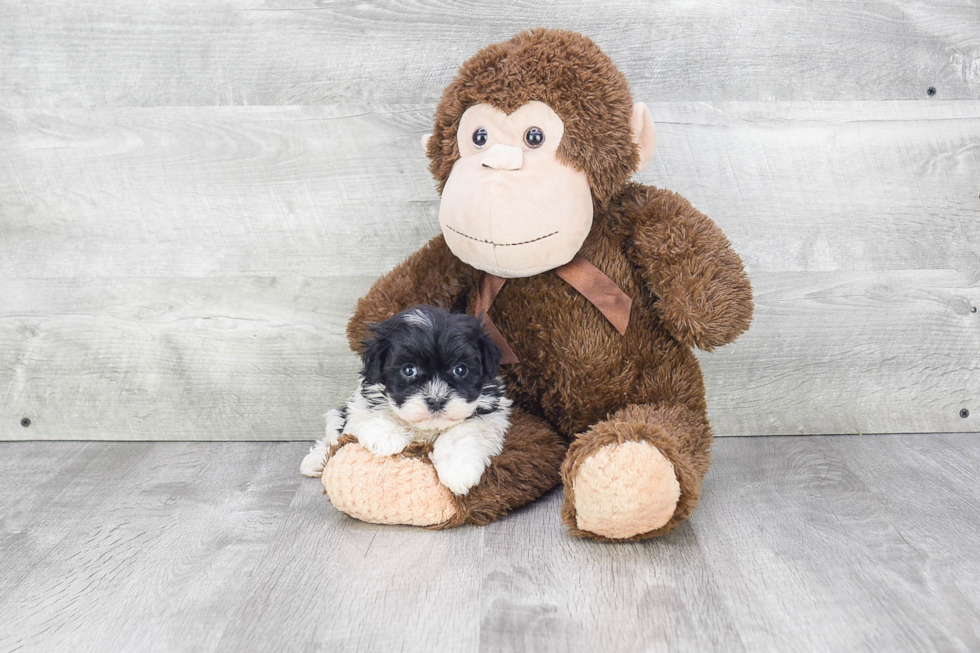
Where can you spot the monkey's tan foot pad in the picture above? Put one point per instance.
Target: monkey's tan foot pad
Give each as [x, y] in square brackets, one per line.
[624, 490]
[386, 490]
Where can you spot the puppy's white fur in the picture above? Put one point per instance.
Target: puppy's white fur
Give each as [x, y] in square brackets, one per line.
[462, 452]
[464, 440]
[314, 461]
[418, 317]
[417, 413]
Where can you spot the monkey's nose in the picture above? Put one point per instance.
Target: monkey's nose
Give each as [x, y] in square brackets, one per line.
[435, 404]
[503, 157]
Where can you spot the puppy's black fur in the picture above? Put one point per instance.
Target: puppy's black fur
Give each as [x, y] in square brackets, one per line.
[432, 344]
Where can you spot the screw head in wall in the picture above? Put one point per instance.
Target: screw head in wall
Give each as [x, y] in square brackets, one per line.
[25, 422]
[973, 309]
[964, 413]
[931, 91]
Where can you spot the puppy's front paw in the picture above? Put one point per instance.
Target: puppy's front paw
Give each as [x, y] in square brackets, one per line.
[383, 440]
[458, 474]
[386, 446]
[314, 461]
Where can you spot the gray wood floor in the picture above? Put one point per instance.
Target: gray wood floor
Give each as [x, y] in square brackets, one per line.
[800, 543]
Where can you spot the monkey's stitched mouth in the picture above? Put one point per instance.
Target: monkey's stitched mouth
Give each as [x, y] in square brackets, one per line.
[490, 242]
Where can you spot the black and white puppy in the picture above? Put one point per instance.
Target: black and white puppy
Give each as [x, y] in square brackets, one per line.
[429, 376]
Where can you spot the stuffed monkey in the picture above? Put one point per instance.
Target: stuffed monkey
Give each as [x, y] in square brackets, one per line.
[596, 287]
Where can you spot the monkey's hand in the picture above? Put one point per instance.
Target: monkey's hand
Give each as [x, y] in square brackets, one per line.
[704, 296]
[432, 275]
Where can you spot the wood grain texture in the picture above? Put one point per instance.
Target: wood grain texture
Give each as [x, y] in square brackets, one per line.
[212, 192]
[300, 190]
[186, 53]
[193, 310]
[562, 594]
[352, 586]
[192, 359]
[121, 542]
[815, 543]
[263, 358]
[173, 269]
[852, 352]
[825, 510]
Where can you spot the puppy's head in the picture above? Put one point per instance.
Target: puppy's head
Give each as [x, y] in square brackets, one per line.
[431, 365]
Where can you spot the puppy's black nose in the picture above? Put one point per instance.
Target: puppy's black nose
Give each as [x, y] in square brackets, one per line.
[435, 404]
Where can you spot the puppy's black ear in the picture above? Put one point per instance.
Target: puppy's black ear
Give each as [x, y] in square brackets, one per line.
[374, 355]
[490, 354]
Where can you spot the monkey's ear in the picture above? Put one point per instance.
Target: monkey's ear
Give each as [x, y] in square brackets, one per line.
[425, 142]
[644, 134]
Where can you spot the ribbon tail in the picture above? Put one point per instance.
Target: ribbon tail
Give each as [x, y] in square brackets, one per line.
[599, 289]
[486, 291]
[498, 339]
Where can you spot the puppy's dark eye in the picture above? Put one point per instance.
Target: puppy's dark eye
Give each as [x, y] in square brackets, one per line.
[480, 137]
[409, 371]
[534, 137]
[460, 371]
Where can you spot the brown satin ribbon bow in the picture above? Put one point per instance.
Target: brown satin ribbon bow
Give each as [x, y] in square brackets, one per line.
[581, 275]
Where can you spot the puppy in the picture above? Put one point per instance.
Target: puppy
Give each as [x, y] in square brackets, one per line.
[428, 376]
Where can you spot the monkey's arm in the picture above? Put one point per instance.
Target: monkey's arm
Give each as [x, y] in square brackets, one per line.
[704, 296]
[432, 275]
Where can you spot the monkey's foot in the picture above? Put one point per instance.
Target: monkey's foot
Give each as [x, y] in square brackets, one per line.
[624, 490]
[629, 478]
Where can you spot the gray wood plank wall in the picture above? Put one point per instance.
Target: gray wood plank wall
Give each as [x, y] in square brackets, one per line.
[193, 195]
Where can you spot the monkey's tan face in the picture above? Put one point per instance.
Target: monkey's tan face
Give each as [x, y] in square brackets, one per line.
[510, 207]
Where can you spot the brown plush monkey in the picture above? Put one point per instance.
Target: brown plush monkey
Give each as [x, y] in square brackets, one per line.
[598, 287]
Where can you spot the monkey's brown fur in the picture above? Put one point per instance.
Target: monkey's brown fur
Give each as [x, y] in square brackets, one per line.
[578, 378]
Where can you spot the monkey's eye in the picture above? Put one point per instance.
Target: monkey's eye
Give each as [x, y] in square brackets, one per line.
[460, 371]
[480, 137]
[409, 371]
[534, 137]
